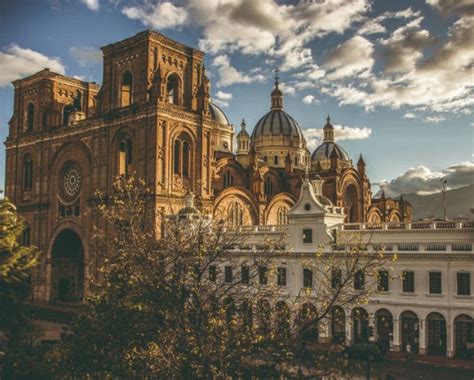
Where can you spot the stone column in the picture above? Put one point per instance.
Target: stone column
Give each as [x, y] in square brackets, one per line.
[450, 340]
[396, 343]
[349, 330]
[372, 331]
[422, 325]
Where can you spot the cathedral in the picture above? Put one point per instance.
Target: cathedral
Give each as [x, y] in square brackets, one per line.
[153, 116]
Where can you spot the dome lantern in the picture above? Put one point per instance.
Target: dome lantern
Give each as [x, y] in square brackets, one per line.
[277, 94]
[328, 131]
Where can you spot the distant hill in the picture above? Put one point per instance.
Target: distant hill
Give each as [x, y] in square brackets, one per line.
[459, 202]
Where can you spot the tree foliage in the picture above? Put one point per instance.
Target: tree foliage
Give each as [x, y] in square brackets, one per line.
[165, 306]
[16, 262]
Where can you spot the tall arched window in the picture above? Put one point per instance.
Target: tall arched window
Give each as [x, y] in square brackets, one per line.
[27, 173]
[282, 215]
[67, 110]
[172, 89]
[125, 156]
[228, 179]
[182, 156]
[126, 89]
[275, 160]
[350, 203]
[235, 215]
[30, 117]
[268, 186]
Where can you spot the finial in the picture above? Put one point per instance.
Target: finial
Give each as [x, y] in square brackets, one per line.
[277, 70]
[328, 119]
[242, 125]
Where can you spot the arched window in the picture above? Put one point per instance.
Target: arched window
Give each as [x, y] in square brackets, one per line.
[177, 156]
[275, 160]
[296, 160]
[67, 110]
[186, 163]
[126, 89]
[78, 101]
[30, 117]
[125, 156]
[182, 157]
[268, 186]
[235, 215]
[27, 173]
[350, 203]
[172, 89]
[228, 179]
[282, 215]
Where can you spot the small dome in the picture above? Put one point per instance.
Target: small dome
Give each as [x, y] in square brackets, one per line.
[218, 115]
[325, 150]
[275, 123]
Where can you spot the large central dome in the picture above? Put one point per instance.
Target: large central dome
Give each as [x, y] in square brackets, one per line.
[277, 136]
[277, 123]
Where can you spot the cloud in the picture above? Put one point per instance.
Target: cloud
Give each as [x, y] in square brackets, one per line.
[17, 62]
[222, 98]
[375, 26]
[353, 57]
[163, 15]
[447, 7]
[229, 75]
[409, 115]
[422, 180]
[80, 77]
[314, 136]
[93, 5]
[310, 99]
[86, 55]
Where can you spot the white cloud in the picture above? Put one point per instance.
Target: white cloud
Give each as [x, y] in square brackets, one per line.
[353, 57]
[163, 15]
[309, 99]
[17, 62]
[409, 115]
[86, 55]
[222, 98]
[314, 136]
[422, 180]
[229, 75]
[93, 5]
[80, 77]
[375, 26]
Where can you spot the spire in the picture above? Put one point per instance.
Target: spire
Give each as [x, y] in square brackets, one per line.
[361, 165]
[277, 95]
[242, 125]
[328, 131]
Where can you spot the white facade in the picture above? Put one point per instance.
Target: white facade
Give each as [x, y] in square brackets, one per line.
[431, 319]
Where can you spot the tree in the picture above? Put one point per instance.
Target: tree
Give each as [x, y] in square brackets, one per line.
[192, 298]
[16, 262]
[162, 307]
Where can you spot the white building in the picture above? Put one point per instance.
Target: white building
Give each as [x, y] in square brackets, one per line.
[425, 300]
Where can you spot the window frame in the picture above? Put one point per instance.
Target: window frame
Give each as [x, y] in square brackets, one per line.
[405, 282]
[281, 276]
[307, 279]
[458, 288]
[307, 235]
[431, 285]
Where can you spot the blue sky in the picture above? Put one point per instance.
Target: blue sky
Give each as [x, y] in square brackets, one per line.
[395, 76]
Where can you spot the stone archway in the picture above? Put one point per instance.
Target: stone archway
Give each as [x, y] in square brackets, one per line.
[338, 324]
[384, 324]
[67, 267]
[360, 321]
[463, 333]
[409, 325]
[436, 325]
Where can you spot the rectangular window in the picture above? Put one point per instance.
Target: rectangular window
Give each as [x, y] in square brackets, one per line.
[228, 274]
[359, 280]
[464, 283]
[307, 278]
[382, 285]
[307, 235]
[262, 275]
[281, 277]
[435, 282]
[245, 275]
[212, 273]
[408, 282]
[336, 278]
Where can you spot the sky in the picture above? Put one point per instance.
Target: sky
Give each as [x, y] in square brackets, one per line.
[396, 77]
